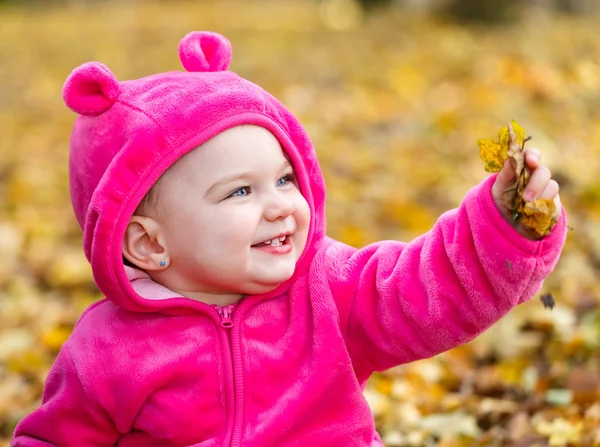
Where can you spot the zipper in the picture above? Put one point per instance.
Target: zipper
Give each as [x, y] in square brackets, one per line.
[233, 359]
[238, 376]
[226, 313]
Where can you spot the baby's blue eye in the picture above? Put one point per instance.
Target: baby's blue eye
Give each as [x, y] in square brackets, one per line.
[288, 178]
[242, 192]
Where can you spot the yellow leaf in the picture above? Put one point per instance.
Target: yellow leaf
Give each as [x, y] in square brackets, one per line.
[538, 216]
[504, 135]
[493, 154]
[560, 431]
[54, 338]
[353, 235]
[30, 362]
[69, 269]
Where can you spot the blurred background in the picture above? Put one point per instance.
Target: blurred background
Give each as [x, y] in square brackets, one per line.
[394, 95]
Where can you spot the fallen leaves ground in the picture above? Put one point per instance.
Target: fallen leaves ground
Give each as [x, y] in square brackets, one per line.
[394, 103]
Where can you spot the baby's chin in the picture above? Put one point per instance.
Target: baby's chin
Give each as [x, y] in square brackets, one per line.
[266, 285]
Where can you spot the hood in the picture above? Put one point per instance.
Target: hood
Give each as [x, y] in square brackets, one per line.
[129, 133]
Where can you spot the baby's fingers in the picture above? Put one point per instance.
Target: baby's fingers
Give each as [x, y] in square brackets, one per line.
[533, 157]
[550, 191]
[540, 179]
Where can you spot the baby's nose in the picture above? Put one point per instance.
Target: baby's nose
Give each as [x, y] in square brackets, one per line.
[279, 207]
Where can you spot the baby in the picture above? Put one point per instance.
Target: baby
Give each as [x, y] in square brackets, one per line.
[230, 318]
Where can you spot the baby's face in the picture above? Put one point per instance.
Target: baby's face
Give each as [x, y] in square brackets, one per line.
[236, 220]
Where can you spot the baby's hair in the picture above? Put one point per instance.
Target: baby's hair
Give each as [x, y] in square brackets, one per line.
[151, 204]
[128, 263]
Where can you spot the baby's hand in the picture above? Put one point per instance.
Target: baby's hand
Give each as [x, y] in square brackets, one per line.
[540, 186]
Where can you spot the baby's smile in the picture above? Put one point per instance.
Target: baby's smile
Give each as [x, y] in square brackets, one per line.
[278, 245]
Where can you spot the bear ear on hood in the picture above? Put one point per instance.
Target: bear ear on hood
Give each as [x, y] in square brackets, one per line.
[202, 51]
[91, 89]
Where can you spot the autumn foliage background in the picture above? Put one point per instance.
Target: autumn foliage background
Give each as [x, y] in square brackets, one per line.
[394, 100]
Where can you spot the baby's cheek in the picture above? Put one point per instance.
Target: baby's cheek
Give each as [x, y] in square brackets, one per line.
[302, 208]
[303, 223]
[240, 236]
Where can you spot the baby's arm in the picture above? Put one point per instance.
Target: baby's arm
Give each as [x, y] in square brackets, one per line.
[399, 302]
[67, 417]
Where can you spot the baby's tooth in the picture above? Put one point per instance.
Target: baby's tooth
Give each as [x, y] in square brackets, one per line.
[268, 242]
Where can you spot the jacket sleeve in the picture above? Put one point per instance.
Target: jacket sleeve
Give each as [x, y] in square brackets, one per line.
[67, 416]
[400, 302]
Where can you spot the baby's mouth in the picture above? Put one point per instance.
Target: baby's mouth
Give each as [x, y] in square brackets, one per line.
[276, 242]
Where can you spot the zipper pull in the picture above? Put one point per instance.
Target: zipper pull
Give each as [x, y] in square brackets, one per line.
[225, 312]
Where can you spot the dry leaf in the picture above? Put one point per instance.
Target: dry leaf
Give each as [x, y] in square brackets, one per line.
[536, 217]
[55, 337]
[548, 300]
[493, 154]
[539, 216]
[560, 431]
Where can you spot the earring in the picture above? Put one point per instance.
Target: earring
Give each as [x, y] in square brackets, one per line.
[163, 263]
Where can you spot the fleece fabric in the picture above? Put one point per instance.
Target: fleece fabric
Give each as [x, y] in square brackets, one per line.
[146, 367]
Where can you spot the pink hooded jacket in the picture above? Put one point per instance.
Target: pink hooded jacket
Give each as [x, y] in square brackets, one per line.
[146, 367]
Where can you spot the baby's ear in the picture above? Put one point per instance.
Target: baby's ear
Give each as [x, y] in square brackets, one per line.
[144, 245]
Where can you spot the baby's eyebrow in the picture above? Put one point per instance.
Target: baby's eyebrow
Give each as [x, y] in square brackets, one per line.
[226, 180]
[239, 176]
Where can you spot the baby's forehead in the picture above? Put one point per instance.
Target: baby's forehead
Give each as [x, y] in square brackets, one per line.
[241, 145]
[246, 147]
